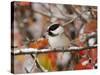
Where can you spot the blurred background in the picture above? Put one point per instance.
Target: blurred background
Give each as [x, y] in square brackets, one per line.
[29, 25]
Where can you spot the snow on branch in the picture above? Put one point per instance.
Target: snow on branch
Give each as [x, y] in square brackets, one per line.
[39, 51]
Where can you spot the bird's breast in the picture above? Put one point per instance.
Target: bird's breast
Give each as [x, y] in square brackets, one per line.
[59, 42]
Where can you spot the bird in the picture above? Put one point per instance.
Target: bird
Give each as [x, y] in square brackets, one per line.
[59, 41]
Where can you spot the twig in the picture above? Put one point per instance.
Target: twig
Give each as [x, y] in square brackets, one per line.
[34, 51]
[60, 10]
[51, 15]
[26, 70]
[69, 21]
[37, 64]
[79, 13]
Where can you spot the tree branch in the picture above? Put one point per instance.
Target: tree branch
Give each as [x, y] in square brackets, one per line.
[40, 51]
[42, 69]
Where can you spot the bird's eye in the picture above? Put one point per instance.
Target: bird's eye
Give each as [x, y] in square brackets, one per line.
[53, 27]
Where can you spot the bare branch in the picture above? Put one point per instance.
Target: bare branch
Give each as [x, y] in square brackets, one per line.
[79, 13]
[37, 51]
[38, 64]
[70, 21]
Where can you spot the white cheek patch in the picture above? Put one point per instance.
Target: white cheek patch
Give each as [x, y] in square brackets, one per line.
[58, 30]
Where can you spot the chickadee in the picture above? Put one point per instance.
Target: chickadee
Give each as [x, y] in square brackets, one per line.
[58, 40]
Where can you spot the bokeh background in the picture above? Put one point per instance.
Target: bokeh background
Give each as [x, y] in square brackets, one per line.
[29, 25]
